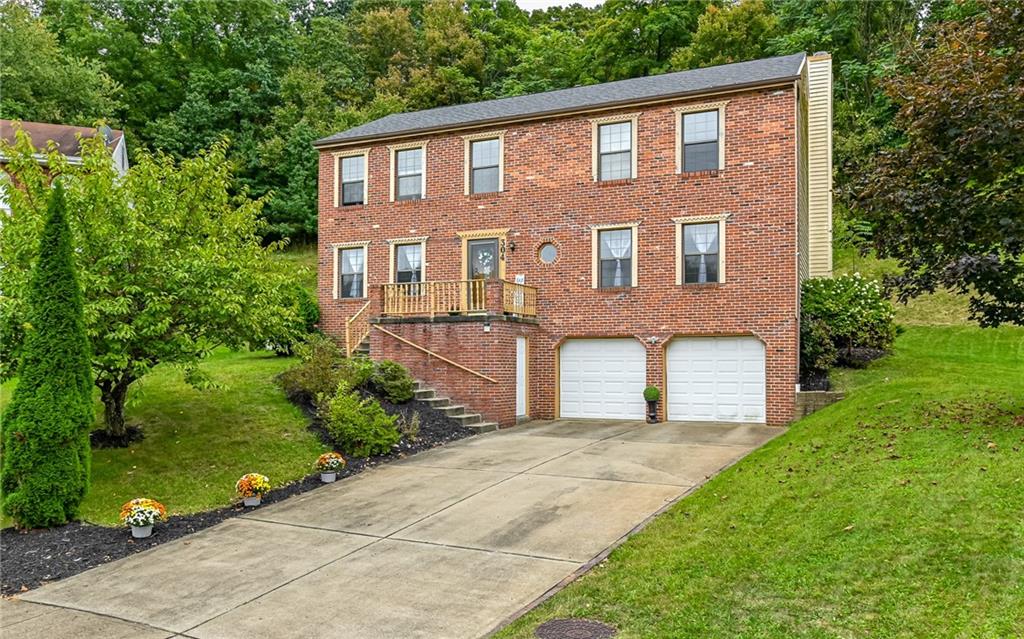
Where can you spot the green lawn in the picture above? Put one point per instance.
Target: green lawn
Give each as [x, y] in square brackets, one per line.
[199, 442]
[898, 512]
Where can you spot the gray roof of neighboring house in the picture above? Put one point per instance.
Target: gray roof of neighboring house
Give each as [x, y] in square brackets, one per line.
[594, 96]
[64, 136]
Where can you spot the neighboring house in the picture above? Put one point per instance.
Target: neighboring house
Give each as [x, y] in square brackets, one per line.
[67, 140]
[550, 255]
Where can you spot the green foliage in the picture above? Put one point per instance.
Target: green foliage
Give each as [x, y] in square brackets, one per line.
[43, 83]
[734, 33]
[359, 425]
[307, 316]
[170, 261]
[393, 381]
[840, 314]
[318, 372]
[652, 394]
[947, 201]
[45, 439]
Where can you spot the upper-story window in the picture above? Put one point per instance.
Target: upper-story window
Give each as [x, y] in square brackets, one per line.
[614, 248]
[700, 143]
[408, 172]
[485, 162]
[350, 183]
[353, 180]
[615, 154]
[614, 143]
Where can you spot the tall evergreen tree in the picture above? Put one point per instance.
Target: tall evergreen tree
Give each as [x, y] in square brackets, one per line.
[45, 471]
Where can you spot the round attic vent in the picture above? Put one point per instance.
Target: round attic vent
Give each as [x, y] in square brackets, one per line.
[574, 629]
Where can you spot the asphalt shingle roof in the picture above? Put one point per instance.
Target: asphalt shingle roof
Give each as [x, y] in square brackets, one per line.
[577, 98]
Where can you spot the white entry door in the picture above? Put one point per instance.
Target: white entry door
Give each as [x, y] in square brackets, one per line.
[602, 378]
[521, 379]
[719, 379]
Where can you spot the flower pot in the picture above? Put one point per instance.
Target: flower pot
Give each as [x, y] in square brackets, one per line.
[652, 412]
[328, 477]
[141, 532]
[252, 501]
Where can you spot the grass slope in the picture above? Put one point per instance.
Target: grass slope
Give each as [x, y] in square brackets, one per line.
[199, 442]
[895, 513]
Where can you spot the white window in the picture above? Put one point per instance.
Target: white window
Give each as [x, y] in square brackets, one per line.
[700, 137]
[350, 177]
[700, 249]
[485, 158]
[407, 260]
[353, 180]
[408, 171]
[614, 255]
[409, 263]
[350, 270]
[614, 141]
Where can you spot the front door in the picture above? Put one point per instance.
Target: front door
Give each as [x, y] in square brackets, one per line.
[482, 257]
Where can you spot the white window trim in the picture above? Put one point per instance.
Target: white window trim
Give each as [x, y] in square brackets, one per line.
[338, 157]
[392, 150]
[468, 141]
[680, 111]
[595, 262]
[680, 222]
[595, 142]
[336, 250]
[402, 241]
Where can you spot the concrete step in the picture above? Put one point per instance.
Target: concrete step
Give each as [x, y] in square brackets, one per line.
[437, 402]
[467, 419]
[482, 427]
[453, 411]
[423, 393]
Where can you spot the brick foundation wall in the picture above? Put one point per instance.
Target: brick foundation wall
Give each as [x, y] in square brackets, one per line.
[491, 353]
[550, 196]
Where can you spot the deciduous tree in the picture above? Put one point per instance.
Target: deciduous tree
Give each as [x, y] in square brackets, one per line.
[171, 263]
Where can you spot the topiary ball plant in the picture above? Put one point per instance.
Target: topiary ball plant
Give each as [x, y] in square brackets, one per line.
[652, 394]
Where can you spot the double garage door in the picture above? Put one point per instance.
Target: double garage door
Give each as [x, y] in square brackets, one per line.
[707, 379]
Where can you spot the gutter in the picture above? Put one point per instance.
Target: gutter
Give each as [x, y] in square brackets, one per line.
[327, 143]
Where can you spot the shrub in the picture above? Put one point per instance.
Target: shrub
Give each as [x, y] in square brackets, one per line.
[392, 380]
[840, 315]
[317, 374]
[357, 371]
[652, 394]
[359, 425]
[46, 452]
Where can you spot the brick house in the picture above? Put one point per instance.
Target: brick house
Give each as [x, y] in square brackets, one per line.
[550, 255]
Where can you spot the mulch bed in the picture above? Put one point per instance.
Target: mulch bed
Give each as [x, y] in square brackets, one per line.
[34, 557]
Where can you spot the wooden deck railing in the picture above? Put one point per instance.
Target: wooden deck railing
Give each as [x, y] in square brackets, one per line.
[457, 297]
[435, 298]
[357, 328]
[519, 299]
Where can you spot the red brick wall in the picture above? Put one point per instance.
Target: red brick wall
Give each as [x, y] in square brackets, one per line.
[550, 196]
[491, 353]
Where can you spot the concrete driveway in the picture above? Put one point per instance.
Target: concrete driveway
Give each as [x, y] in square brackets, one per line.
[449, 543]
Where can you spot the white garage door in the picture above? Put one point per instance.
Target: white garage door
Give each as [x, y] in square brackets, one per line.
[715, 379]
[602, 378]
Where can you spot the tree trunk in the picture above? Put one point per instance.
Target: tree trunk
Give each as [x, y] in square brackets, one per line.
[114, 394]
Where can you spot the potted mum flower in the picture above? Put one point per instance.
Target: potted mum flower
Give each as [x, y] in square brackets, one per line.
[651, 396]
[251, 488]
[329, 464]
[141, 513]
